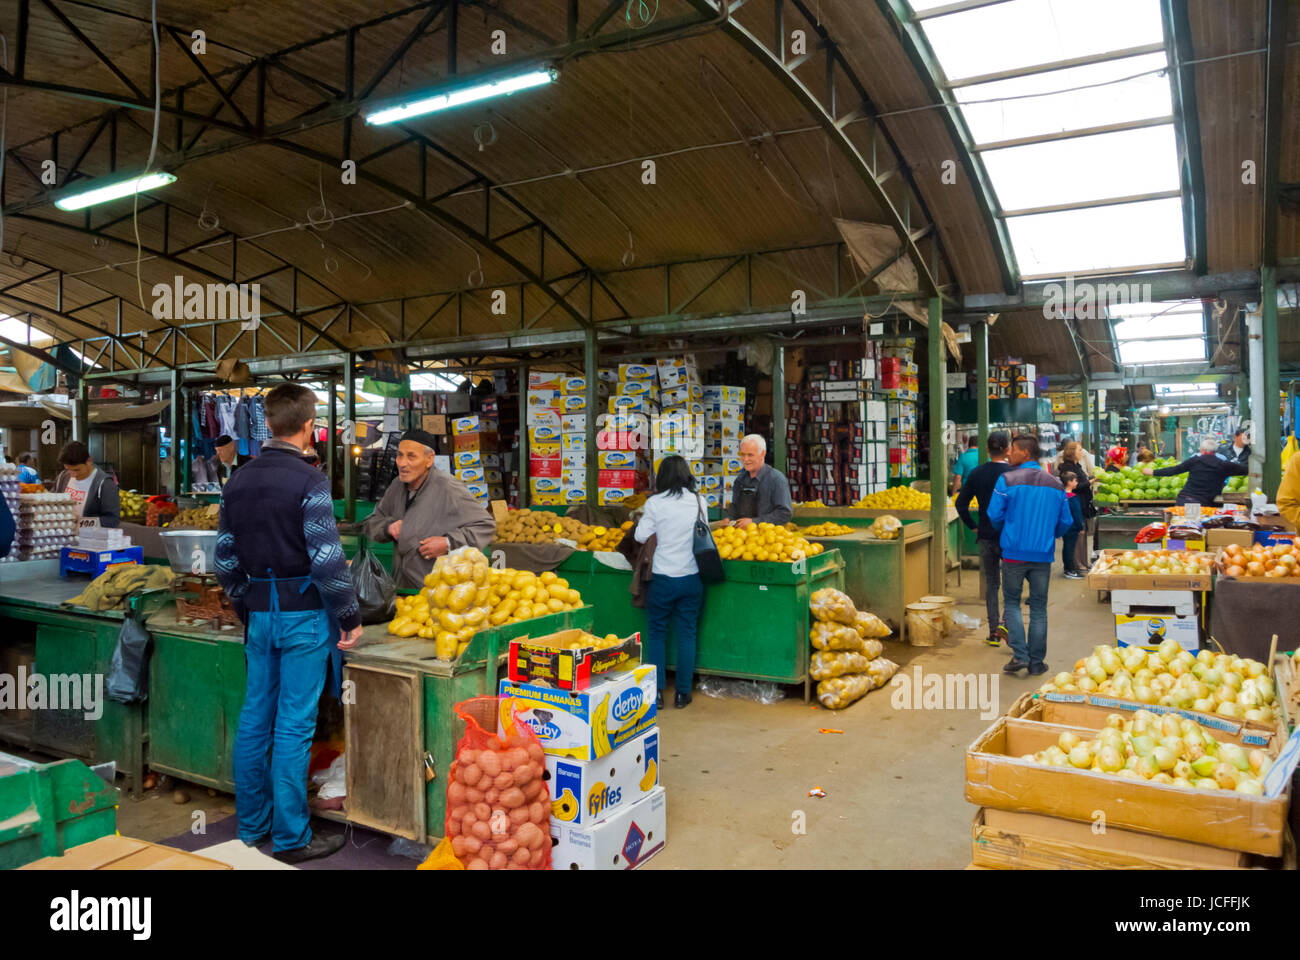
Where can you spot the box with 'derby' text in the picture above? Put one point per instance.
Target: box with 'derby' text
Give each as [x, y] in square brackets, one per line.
[583, 724]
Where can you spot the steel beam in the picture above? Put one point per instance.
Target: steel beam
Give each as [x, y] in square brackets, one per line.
[350, 416]
[980, 333]
[1164, 284]
[938, 389]
[1187, 127]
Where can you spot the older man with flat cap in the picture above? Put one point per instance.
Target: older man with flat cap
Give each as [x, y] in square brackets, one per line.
[426, 512]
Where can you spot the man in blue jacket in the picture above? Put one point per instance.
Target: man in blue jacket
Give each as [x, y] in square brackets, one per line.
[1029, 510]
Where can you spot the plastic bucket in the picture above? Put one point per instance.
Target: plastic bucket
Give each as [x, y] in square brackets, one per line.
[924, 624]
[947, 605]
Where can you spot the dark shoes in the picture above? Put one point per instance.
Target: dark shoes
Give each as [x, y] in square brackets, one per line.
[1073, 575]
[659, 701]
[1014, 666]
[681, 699]
[319, 846]
[1038, 671]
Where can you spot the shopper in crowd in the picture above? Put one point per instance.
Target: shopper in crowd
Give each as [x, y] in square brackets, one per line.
[978, 485]
[279, 559]
[968, 461]
[1029, 510]
[1069, 539]
[426, 512]
[7, 528]
[1073, 465]
[1145, 455]
[761, 494]
[1288, 492]
[94, 493]
[676, 592]
[226, 460]
[1206, 473]
[27, 469]
[1238, 449]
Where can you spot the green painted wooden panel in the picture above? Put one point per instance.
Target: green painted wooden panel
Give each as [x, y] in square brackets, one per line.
[46, 808]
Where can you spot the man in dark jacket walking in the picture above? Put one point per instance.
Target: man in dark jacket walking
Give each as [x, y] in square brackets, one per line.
[1029, 509]
[1205, 474]
[280, 561]
[979, 485]
[1238, 449]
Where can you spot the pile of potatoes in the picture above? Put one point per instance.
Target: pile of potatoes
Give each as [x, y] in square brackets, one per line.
[195, 518]
[499, 809]
[539, 526]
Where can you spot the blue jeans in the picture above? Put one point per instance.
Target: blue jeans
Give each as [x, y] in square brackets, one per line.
[678, 599]
[288, 654]
[1013, 579]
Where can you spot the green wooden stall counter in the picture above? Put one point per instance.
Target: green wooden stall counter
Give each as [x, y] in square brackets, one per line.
[754, 625]
[45, 808]
[197, 680]
[40, 635]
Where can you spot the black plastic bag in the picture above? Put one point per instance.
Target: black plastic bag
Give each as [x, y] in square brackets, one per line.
[375, 589]
[128, 672]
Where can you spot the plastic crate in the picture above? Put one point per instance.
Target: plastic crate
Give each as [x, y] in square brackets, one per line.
[95, 562]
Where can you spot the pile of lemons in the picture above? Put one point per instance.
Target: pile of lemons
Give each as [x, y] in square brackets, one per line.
[586, 640]
[456, 603]
[895, 498]
[827, 529]
[764, 542]
[603, 538]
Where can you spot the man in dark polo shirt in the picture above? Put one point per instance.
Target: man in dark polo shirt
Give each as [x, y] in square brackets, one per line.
[760, 494]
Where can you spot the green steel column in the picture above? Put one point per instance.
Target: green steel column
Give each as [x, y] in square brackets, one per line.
[186, 422]
[981, 332]
[938, 456]
[592, 373]
[350, 415]
[1085, 410]
[173, 428]
[778, 408]
[331, 433]
[81, 416]
[522, 436]
[1269, 425]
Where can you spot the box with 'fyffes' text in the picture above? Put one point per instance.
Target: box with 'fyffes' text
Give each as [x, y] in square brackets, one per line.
[587, 791]
[583, 724]
[629, 837]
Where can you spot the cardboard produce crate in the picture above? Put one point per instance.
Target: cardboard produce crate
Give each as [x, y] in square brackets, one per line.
[1143, 581]
[1091, 709]
[547, 659]
[1006, 840]
[125, 853]
[996, 777]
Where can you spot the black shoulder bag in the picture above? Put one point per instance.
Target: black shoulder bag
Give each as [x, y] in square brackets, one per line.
[705, 550]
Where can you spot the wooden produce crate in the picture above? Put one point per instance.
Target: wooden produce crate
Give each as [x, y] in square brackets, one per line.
[996, 777]
[1098, 580]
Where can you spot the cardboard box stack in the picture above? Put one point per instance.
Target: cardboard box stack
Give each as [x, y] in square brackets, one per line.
[724, 426]
[836, 432]
[626, 437]
[608, 811]
[1012, 379]
[899, 379]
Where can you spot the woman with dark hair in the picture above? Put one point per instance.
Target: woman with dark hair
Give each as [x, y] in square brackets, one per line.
[675, 592]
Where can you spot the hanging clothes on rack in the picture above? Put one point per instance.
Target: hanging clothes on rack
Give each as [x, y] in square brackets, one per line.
[260, 431]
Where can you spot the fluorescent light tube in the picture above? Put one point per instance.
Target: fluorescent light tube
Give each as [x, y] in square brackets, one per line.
[112, 191]
[463, 95]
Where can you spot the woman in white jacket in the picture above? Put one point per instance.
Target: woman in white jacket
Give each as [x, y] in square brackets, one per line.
[675, 592]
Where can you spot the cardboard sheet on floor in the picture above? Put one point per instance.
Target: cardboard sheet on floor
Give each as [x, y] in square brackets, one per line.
[238, 856]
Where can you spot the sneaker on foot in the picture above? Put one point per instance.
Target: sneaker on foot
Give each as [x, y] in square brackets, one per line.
[1014, 666]
[318, 846]
[1001, 632]
[1073, 575]
[1038, 671]
[993, 640]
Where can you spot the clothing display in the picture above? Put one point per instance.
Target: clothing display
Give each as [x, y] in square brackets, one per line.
[242, 418]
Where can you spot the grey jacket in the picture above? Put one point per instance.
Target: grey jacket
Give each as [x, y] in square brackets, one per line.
[774, 504]
[442, 507]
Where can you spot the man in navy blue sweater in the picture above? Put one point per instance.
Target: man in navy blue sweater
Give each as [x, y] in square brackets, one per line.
[280, 561]
[1029, 510]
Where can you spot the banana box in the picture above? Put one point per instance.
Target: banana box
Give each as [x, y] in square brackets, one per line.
[621, 403]
[574, 441]
[636, 371]
[575, 494]
[470, 424]
[712, 498]
[574, 460]
[574, 423]
[710, 483]
[543, 417]
[544, 398]
[465, 460]
[638, 388]
[546, 500]
[719, 394]
[479, 490]
[573, 403]
[545, 380]
[544, 450]
[731, 466]
[681, 394]
[472, 475]
[628, 838]
[544, 485]
[611, 496]
[586, 792]
[550, 660]
[583, 724]
[617, 459]
[574, 477]
[546, 434]
[544, 467]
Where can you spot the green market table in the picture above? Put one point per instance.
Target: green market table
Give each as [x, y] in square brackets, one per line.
[40, 635]
[865, 517]
[754, 625]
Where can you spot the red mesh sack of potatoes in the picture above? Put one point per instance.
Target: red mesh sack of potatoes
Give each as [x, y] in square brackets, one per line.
[498, 803]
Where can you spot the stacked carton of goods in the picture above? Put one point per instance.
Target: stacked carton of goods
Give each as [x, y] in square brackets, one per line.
[592, 705]
[1170, 788]
[545, 429]
[473, 450]
[474, 437]
[898, 369]
[1012, 379]
[898, 372]
[622, 470]
[724, 412]
[10, 488]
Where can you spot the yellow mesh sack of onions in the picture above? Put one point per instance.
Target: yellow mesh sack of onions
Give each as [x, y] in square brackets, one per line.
[832, 606]
[838, 692]
[836, 663]
[870, 625]
[836, 636]
[880, 670]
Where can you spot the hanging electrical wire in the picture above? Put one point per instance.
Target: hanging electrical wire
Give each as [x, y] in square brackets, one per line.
[153, 147]
[645, 14]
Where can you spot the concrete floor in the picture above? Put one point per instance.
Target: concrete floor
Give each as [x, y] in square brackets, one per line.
[737, 773]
